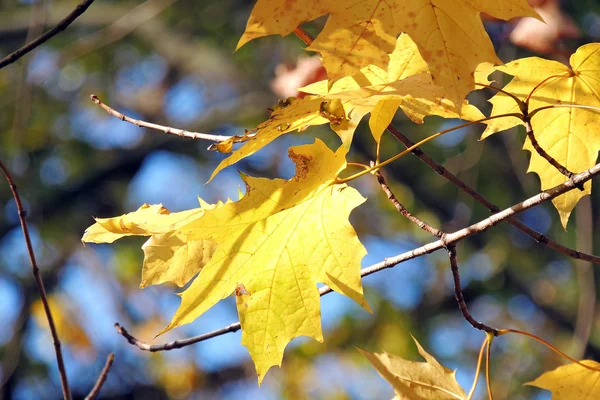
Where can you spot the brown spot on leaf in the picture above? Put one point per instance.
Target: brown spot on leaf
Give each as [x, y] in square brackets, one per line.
[302, 164]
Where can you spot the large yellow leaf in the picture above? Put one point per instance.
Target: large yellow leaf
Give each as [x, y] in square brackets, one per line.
[569, 135]
[407, 85]
[275, 244]
[449, 34]
[571, 382]
[414, 380]
[168, 255]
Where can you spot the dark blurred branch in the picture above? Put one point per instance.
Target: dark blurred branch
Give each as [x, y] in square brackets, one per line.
[538, 237]
[62, 25]
[446, 241]
[101, 378]
[162, 128]
[40, 284]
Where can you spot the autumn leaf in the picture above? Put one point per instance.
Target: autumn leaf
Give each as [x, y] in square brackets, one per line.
[407, 84]
[166, 243]
[291, 115]
[449, 34]
[567, 134]
[275, 244]
[571, 382]
[417, 380]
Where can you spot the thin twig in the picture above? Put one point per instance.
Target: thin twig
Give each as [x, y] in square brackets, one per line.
[563, 170]
[303, 35]
[538, 237]
[101, 378]
[460, 299]
[62, 25]
[447, 240]
[40, 284]
[162, 128]
[402, 210]
[177, 344]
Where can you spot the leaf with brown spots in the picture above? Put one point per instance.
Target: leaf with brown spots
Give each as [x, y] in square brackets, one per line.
[449, 34]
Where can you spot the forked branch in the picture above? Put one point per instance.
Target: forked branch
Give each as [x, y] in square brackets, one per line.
[538, 237]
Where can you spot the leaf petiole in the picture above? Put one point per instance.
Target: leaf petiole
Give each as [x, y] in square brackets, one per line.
[591, 108]
[545, 343]
[478, 370]
[488, 354]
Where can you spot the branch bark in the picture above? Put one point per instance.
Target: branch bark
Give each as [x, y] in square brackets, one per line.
[101, 378]
[165, 129]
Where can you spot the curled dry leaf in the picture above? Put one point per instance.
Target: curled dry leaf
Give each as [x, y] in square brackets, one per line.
[413, 380]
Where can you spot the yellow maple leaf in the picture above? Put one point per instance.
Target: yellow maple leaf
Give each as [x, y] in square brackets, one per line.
[569, 135]
[571, 382]
[186, 257]
[417, 380]
[407, 85]
[294, 115]
[275, 244]
[449, 34]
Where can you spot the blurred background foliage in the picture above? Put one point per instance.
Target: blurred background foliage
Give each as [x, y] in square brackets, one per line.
[172, 62]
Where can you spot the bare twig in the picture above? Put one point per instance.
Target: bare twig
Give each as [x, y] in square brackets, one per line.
[40, 284]
[62, 25]
[402, 210]
[101, 378]
[460, 299]
[446, 241]
[303, 35]
[538, 237]
[165, 129]
[563, 170]
[177, 344]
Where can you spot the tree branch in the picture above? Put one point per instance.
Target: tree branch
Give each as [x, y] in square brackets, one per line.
[39, 282]
[543, 153]
[538, 237]
[101, 378]
[62, 25]
[165, 129]
[460, 299]
[177, 344]
[446, 241]
[402, 210]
